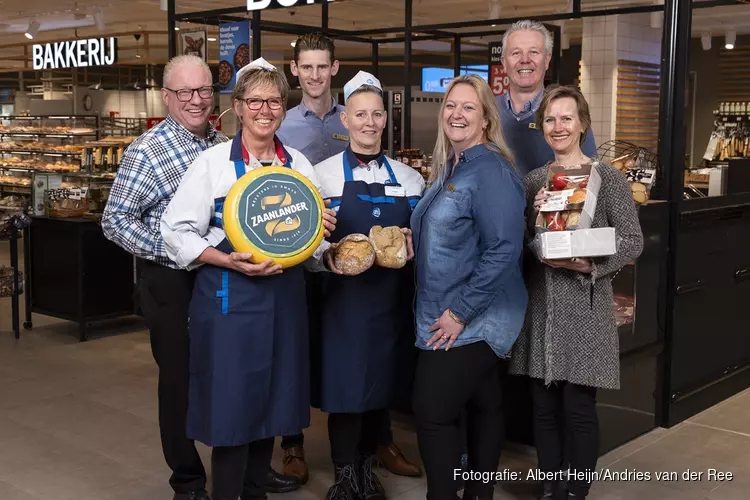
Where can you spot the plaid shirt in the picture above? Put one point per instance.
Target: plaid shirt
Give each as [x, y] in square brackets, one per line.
[150, 172]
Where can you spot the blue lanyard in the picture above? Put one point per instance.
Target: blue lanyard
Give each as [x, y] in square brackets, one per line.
[349, 175]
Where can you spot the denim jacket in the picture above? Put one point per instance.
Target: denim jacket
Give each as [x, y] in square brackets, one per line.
[468, 241]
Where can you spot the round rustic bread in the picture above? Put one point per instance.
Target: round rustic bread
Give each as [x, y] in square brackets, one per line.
[354, 254]
[390, 246]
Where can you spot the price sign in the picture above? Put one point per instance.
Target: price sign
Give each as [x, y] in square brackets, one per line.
[499, 80]
[151, 122]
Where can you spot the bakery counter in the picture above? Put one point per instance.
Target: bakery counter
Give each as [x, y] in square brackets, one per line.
[75, 273]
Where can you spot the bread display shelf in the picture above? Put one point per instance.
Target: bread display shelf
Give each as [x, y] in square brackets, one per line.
[46, 134]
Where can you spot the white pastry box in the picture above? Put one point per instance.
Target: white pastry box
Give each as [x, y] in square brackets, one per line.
[598, 242]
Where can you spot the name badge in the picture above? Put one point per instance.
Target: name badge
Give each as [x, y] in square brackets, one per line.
[532, 125]
[341, 137]
[395, 191]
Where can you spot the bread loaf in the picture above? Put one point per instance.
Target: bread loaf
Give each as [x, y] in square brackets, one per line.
[390, 246]
[354, 254]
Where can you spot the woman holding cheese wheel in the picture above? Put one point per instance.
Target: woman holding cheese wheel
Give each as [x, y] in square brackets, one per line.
[363, 314]
[248, 329]
[569, 346]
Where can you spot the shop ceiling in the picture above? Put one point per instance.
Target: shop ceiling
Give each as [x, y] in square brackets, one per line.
[68, 19]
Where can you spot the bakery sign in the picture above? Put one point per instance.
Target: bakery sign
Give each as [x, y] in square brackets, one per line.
[280, 4]
[75, 53]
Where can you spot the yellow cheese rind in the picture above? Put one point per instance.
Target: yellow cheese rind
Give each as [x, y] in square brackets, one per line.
[236, 235]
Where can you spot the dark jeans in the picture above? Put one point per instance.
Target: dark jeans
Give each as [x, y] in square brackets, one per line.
[165, 298]
[448, 383]
[561, 411]
[353, 434]
[241, 470]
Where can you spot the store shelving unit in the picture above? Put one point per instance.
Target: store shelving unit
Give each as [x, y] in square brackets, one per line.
[72, 271]
[12, 221]
[41, 144]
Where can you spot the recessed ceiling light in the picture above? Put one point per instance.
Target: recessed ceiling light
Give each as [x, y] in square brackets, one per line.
[731, 37]
[293, 44]
[211, 39]
[176, 28]
[32, 30]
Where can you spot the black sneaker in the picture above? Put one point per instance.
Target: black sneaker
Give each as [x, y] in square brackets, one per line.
[345, 483]
[370, 487]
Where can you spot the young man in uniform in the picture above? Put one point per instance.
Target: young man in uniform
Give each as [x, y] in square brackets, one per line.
[314, 128]
[150, 172]
[527, 52]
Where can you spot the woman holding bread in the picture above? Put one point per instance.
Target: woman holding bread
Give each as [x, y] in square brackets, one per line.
[471, 298]
[363, 309]
[248, 327]
[570, 345]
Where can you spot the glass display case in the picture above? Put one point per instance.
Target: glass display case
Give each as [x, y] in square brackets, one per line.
[47, 145]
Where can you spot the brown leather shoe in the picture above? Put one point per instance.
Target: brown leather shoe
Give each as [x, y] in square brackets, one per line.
[295, 465]
[394, 460]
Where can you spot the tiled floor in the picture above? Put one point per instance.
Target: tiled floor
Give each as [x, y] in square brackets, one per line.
[78, 422]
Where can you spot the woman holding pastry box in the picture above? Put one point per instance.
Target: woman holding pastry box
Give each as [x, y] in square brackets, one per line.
[363, 309]
[570, 345]
[248, 328]
[471, 298]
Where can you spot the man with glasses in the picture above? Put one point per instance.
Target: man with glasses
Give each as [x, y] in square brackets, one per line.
[150, 172]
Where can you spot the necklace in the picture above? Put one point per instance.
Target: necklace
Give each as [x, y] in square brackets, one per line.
[577, 165]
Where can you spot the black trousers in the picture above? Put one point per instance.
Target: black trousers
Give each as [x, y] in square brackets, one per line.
[565, 418]
[354, 434]
[241, 470]
[447, 383]
[165, 298]
[384, 433]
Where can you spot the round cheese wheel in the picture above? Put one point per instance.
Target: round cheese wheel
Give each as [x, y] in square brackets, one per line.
[274, 213]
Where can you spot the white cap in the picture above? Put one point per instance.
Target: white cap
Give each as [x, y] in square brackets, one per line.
[258, 63]
[360, 80]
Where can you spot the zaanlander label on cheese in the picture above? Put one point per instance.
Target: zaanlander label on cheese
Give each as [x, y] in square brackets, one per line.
[278, 214]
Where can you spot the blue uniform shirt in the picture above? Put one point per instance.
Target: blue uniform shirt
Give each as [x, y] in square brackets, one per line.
[317, 139]
[530, 149]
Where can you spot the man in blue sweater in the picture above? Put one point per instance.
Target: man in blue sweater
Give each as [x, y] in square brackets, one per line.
[527, 51]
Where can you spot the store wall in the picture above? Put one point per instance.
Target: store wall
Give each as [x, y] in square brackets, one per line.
[606, 40]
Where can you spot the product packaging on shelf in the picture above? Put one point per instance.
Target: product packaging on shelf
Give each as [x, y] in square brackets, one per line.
[563, 225]
[67, 202]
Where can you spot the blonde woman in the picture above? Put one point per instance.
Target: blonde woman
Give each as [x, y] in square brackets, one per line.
[468, 232]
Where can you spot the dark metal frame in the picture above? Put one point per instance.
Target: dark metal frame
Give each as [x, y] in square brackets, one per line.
[674, 68]
[410, 32]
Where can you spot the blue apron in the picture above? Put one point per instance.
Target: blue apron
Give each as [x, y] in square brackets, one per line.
[363, 316]
[249, 359]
